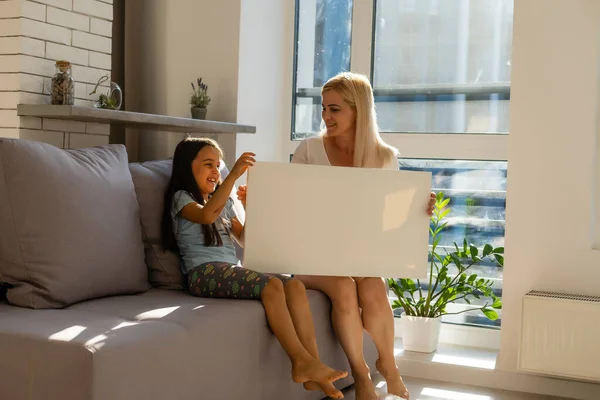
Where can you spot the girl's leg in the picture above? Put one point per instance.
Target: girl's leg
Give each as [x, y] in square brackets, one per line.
[345, 315]
[227, 281]
[297, 302]
[378, 320]
[304, 366]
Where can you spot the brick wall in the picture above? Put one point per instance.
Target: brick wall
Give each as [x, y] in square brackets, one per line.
[33, 35]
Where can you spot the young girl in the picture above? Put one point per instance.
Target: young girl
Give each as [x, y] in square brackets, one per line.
[199, 221]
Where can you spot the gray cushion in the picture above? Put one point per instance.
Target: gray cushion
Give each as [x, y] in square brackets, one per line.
[150, 179]
[70, 224]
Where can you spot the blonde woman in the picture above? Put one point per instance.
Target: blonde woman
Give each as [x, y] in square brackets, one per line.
[351, 139]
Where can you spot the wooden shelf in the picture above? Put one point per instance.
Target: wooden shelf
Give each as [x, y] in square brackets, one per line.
[131, 119]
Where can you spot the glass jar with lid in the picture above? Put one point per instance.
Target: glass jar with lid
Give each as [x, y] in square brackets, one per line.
[62, 90]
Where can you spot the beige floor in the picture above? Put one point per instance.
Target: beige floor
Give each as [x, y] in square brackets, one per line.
[421, 389]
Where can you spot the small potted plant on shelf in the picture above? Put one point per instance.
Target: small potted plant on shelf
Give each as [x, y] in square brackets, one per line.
[199, 100]
[450, 279]
[112, 99]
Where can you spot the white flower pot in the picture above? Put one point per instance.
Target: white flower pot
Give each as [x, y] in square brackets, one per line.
[419, 333]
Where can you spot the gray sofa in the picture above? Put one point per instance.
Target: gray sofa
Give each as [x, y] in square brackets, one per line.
[95, 309]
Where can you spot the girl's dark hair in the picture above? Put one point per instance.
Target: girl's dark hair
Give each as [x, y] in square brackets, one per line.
[182, 178]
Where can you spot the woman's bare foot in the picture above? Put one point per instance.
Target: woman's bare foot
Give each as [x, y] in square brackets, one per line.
[363, 387]
[395, 384]
[327, 388]
[313, 370]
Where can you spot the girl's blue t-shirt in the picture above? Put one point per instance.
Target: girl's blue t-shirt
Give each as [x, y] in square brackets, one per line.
[190, 238]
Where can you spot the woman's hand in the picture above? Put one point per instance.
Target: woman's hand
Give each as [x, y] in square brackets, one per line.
[241, 194]
[431, 204]
[245, 161]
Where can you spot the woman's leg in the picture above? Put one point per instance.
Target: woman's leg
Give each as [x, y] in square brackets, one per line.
[226, 281]
[297, 302]
[346, 319]
[378, 320]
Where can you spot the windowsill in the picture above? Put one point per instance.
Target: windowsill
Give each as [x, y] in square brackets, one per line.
[450, 354]
[463, 336]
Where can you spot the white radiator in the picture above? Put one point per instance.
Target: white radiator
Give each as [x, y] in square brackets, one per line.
[560, 335]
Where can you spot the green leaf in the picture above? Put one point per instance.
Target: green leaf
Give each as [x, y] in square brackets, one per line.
[439, 196]
[441, 227]
[497, 304]
[396, 304]
[474, 251]
[464, 245]
[499, 250]
[444, 213]
[447, 260]
[472, 278]
[491, 314]
[439, 258]
[487, 250]
[436, 241]
[456, 259]
[499, 259]
[445, 203]
[468, 301]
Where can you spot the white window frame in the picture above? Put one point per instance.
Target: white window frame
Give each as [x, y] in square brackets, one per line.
[463, 146]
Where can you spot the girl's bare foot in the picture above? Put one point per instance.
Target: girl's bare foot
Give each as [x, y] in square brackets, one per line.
[395, 384]
[327, 388]
[312, 370]
[364, 389]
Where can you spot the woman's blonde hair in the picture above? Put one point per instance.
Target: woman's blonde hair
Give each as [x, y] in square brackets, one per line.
[370, 151]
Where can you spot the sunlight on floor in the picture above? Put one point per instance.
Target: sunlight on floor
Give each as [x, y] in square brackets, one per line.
[452, 395]
[66, 335]
[465, 361]
[155, 314]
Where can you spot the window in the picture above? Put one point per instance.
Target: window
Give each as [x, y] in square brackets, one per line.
[322, 50]
[442, 68]
[441, 77]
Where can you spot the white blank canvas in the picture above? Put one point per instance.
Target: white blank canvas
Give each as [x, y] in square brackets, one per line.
[321, 220]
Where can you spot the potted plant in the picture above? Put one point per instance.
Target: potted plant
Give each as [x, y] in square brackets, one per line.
[199, 100]
[450, 279]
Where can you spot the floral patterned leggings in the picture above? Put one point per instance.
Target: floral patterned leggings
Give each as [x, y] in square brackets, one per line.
[224, 280]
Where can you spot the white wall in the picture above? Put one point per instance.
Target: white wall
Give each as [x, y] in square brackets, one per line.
[265, 76]
[170, 46]
[554, 104]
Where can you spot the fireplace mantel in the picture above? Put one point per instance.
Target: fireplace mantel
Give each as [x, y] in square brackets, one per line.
[131, 119]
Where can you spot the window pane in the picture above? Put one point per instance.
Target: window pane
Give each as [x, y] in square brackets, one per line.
[322, 51]
[477, 192]
[443, 66]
